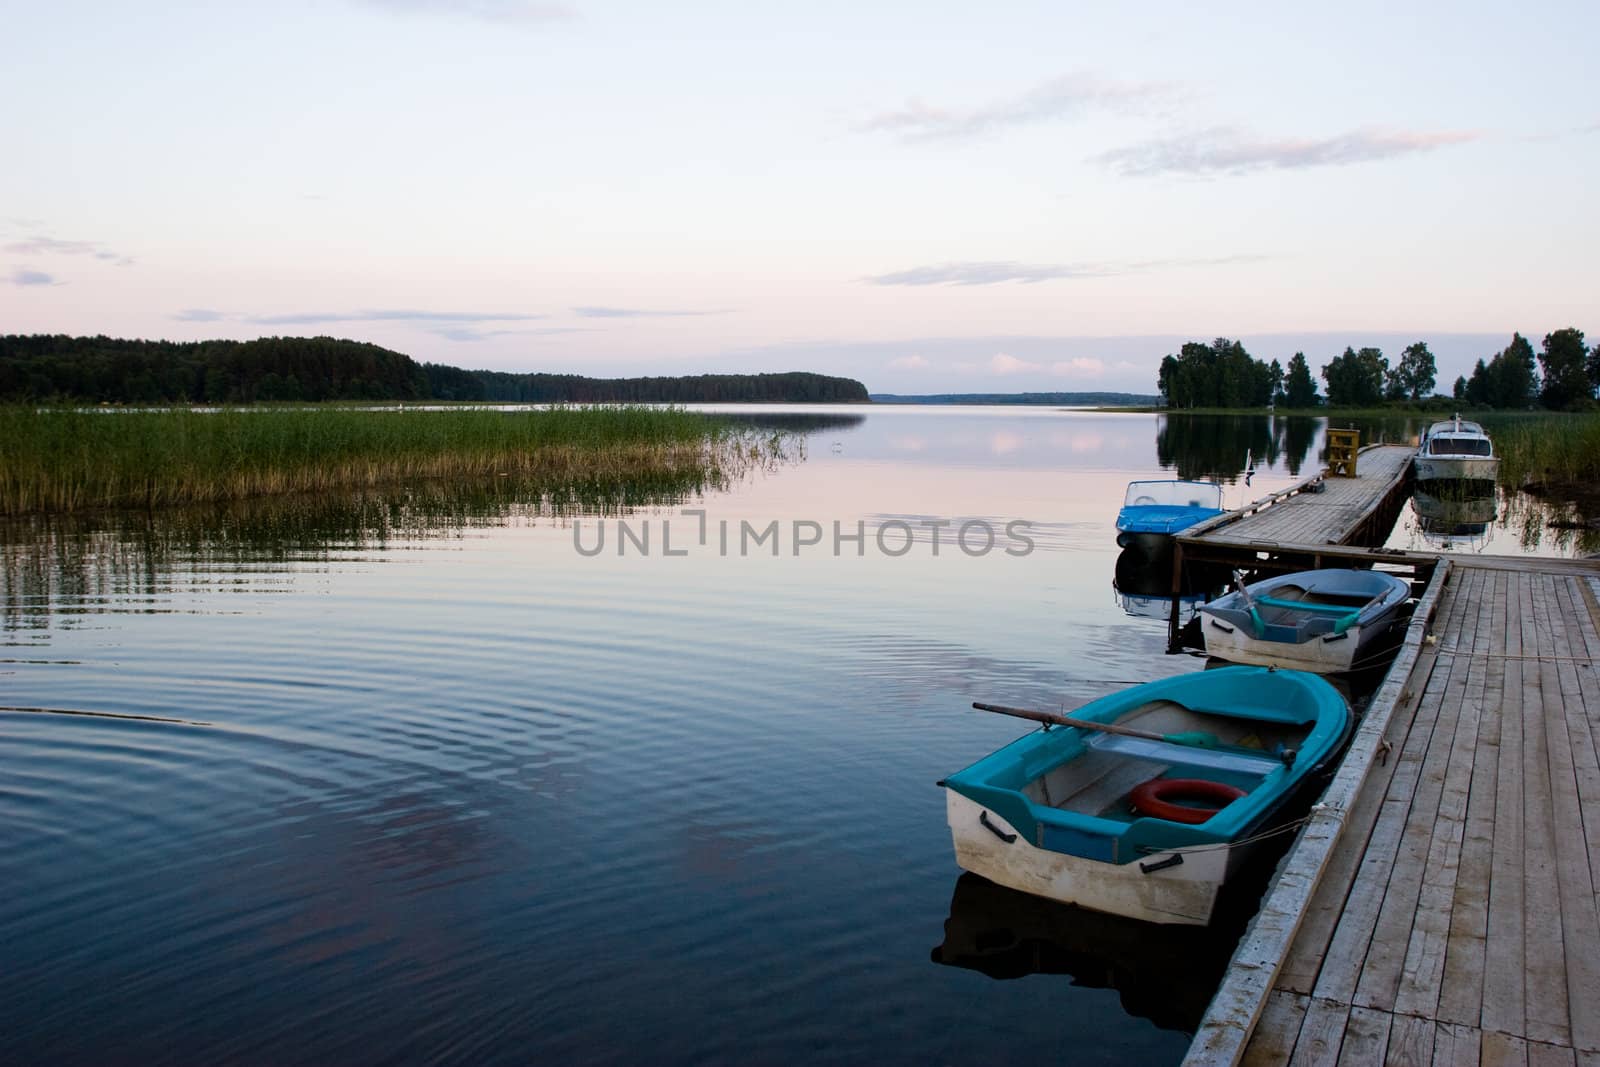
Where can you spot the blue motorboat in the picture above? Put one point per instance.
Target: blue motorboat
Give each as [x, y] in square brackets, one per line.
[1143, 803]
[1161, 509]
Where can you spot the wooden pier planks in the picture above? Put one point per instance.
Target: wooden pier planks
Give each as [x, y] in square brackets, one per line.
[1320, 518]
[1457, 919]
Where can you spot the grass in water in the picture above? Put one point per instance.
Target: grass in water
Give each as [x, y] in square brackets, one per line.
[60, 460]
[1550, 449]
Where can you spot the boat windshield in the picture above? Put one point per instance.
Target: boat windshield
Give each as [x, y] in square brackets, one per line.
[1458, 446]
[1174, 494]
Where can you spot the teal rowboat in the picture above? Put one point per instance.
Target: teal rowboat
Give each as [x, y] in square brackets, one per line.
[1148, 827]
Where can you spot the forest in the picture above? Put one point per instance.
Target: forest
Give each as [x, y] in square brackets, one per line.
[44, 367]
[1563, 376]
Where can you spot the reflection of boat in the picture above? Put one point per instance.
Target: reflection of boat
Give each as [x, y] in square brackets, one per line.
[1159, 509]
[1150, 826]
[1168, 979]
[1457, 450]
[1143, 584]
[1322, 621]
[1455, 519]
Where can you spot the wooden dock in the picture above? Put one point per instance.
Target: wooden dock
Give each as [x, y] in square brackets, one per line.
[1439, 906]
[1318, 520]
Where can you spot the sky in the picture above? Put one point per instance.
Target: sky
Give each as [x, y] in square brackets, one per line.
[930, 196]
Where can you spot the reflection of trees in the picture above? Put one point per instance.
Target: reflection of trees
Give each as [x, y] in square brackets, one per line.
[1216, 446]
[1390, 429]
[49, 559]
[1544, 523]
[792, 422]
[1299, 431]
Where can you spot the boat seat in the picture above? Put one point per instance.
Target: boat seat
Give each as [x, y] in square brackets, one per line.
[1094, 782]
[1109, 795]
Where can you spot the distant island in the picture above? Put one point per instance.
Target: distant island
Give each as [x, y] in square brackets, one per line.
[46, 367]
[1107, 400]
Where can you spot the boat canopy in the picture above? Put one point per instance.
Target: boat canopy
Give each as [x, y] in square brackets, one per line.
[1457, 425]
[1179, 494]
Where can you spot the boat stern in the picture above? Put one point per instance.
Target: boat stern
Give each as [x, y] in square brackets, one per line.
[1177, 886]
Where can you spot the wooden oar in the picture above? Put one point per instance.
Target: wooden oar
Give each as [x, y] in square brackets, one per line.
[1192, 738]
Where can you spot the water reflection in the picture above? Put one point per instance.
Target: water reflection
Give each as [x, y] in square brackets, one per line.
[1221, 447]
[93, 557]
[1142, 583]
[1550, 526]
[1164, 974]
[1452, 517]
[1495, 520]
[795, 422]
[405, 756]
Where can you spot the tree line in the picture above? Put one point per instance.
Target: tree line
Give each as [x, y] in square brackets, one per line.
[1564, 375]
[52, 367]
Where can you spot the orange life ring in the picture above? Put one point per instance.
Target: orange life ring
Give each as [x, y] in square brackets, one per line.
[1155, 797]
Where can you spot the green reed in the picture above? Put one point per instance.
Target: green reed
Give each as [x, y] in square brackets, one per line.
[60, 460]
[1546, 449]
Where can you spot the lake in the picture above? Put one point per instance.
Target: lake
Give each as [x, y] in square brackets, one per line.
[453, 774]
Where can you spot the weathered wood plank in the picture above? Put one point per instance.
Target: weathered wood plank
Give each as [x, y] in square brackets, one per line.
[1540, 1055]
[1504, 986]
[1310, 946]
[1411, 1042]
[1580, 927]
[1545, 950]
[1461, 983]
[1366, 1036]
[1581, 703]
[1421, 976]
[1455, 1045]
[1398, 916]
[1321, 1033]
[1276, 1031]
[1501, 1050]
[1346, 954]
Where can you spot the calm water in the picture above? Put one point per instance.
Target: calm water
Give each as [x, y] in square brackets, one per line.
[412, 778]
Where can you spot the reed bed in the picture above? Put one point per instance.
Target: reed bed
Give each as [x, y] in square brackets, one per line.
[1547, 449]
[61, 461]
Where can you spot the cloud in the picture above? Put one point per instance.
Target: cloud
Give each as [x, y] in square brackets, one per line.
[909, 363]
[1228, 150]
[50, 246]
[1058, 98]
[1000, 363]
[468, 333]
[634, 313]
[451, 325]
[314, 318]
[1081, 365]
[486, 10]
[995, 272]
[1005, 365]
[22, 276]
